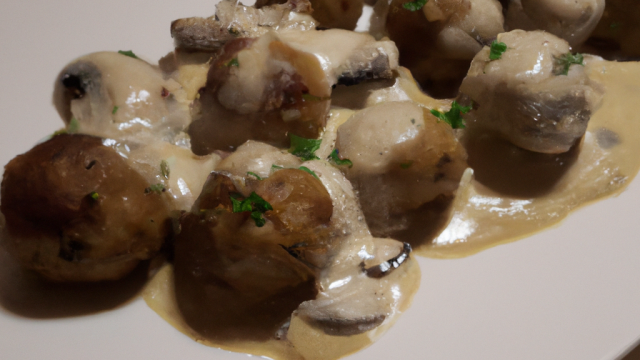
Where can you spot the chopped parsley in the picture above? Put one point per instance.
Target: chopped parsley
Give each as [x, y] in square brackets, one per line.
[303, 148]
[73, 126]
[335, 158]
[276, 167]
[497, 49]
[128, 53]
[309, 97]
[157, 188]
[306, 169]
[453, 117]
[164, 169]
[564, 62]
[233, 31]
[406, 165]
[255, 175]
[115, 110]
[94, 196]
[254, 204]
[232, 62]
[415, 5]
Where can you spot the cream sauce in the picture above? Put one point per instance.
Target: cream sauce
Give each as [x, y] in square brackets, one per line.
[517, 193]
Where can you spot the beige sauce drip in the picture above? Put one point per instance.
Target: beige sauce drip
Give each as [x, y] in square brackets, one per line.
[301, 341]
[515, 193]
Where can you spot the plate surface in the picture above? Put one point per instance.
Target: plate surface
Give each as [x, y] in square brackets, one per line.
[571, 292]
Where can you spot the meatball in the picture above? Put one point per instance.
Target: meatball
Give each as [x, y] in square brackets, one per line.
[75, 211]
[403, 157]
[343, 14]
[571, 20]
[537, 95]
[438, 41]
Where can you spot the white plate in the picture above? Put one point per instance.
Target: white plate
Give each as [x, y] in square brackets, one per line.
[568, 293]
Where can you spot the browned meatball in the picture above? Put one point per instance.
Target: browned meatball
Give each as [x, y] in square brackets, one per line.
[76, 211]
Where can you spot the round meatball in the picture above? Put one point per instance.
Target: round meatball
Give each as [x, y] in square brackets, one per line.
[75, 211]
[403, 157]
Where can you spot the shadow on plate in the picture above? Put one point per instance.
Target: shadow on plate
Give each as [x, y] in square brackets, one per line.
[25, 293]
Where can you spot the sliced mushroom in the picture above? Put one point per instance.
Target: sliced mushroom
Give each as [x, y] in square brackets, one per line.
[233, 21]
[534, 95]
[113, 95]
[76, 211]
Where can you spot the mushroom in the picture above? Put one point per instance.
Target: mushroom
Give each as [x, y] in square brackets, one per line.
[438, 41]
[403, 157]
[76, 211]
[571, 20]
[115, 95]
[537, 95]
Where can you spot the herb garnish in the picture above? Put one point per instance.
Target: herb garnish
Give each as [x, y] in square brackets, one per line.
[73, 126]
[335, 158]
[415, 5]
[406, 165]
[254, 204]
[115, 110]
[453, 117]
[309, 97]
[303, 148]
[497, 49]
[232, 62]
[306, 169]
[128, 53]
[255, 175]
[164, 169]
[157, 188]
[94, 196]
[564, 62]
[276, 167]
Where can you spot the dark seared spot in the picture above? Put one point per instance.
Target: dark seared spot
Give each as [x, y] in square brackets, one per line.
[73, 83]
[444, 160]
[90, 165]
[437, 177]
[344, 5]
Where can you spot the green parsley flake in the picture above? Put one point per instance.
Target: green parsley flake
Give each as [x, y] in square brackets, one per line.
[232, 62]
[276, 167]
[115, 110]
[59, 132]
[564, 62]
[303, 148]
[94, 196]
[254, 204]
[335, 158]
[497, 49]
[406, 165]
[164, 169]
[254, 175]
[415, 5]
[157, 188]
[453, 117]
[128, 53]
[73, 126]
[306, 169]
[309, 97]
